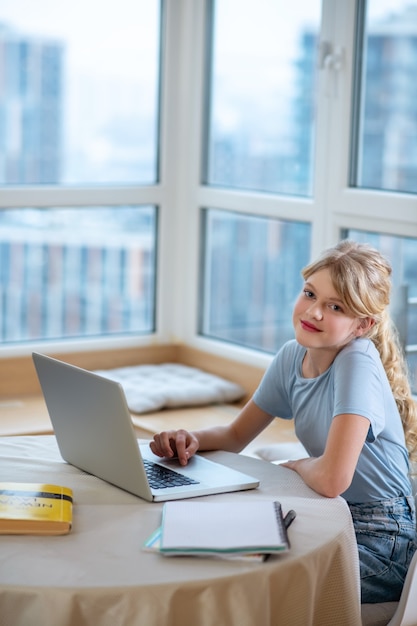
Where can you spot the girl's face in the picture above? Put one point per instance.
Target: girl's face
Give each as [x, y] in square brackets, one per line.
[320, 319]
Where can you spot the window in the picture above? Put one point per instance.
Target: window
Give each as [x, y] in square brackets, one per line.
[262, 95]
[222, 142]
[261, 130]
[79, 140]
[252, 277]
[401, 251]
[386, 155]
[310, 133]
[79, 104]
[384, 150]
[76, 272]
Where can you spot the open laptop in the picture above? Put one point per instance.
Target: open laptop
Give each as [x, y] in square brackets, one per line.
[94, 432]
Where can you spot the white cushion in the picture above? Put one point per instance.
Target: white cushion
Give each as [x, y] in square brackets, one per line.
[282, 451]
[153, 387]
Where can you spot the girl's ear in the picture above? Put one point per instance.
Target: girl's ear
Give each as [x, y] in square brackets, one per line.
[365, 323]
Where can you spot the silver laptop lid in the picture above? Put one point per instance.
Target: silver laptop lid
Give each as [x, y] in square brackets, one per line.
[92, 424]
[94, 432]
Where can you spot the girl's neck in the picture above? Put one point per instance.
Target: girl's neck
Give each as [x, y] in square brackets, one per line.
[316, 362]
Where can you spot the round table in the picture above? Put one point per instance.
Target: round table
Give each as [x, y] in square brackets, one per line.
[100, 575]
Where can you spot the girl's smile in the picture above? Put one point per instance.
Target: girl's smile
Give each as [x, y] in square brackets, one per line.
[309, 327]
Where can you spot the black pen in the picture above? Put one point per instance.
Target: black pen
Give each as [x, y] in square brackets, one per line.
[288, 520]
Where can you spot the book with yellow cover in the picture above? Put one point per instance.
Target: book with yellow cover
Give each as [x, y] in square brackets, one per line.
[35, 509]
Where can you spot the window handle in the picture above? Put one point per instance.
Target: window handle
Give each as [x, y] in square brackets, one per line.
[331, 60]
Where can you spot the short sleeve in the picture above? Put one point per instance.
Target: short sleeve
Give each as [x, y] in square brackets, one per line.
[359, 388]
[272, 395]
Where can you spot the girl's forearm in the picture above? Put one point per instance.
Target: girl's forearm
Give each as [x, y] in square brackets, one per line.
[217, 438]
[319, 476]
[237, 434]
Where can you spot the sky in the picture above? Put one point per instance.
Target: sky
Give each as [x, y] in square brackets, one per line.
[78, 21]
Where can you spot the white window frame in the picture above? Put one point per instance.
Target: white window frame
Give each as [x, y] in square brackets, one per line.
[180, 196]
[334, 207]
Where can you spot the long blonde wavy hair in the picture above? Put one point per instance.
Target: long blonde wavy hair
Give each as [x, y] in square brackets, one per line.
[361, 277]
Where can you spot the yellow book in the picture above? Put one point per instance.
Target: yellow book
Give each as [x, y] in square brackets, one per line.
[35, 509]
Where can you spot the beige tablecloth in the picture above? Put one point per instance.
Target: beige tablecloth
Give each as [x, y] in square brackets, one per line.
[99, 574]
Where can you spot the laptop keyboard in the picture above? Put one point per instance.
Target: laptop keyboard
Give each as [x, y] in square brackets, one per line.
[160, 477]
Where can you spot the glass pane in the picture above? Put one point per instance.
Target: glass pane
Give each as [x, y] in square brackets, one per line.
[84, 272]
[252, 278]
[387, 134]
[402, 254]
[78, 91]
[262, 108]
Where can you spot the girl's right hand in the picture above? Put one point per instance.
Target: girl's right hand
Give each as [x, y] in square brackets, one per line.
[179, 443]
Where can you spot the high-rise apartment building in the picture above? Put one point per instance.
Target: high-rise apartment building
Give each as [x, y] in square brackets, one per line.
[31, 103]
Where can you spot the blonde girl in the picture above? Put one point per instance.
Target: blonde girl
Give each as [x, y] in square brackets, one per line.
[344, 383]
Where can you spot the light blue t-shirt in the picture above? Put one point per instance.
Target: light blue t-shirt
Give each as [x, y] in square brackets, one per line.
[356, 382]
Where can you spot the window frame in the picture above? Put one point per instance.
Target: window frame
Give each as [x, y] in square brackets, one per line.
[180, 195]
[52, 196]
[336, 205]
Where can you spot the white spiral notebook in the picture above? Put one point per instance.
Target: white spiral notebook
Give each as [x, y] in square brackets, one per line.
[233, 527]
